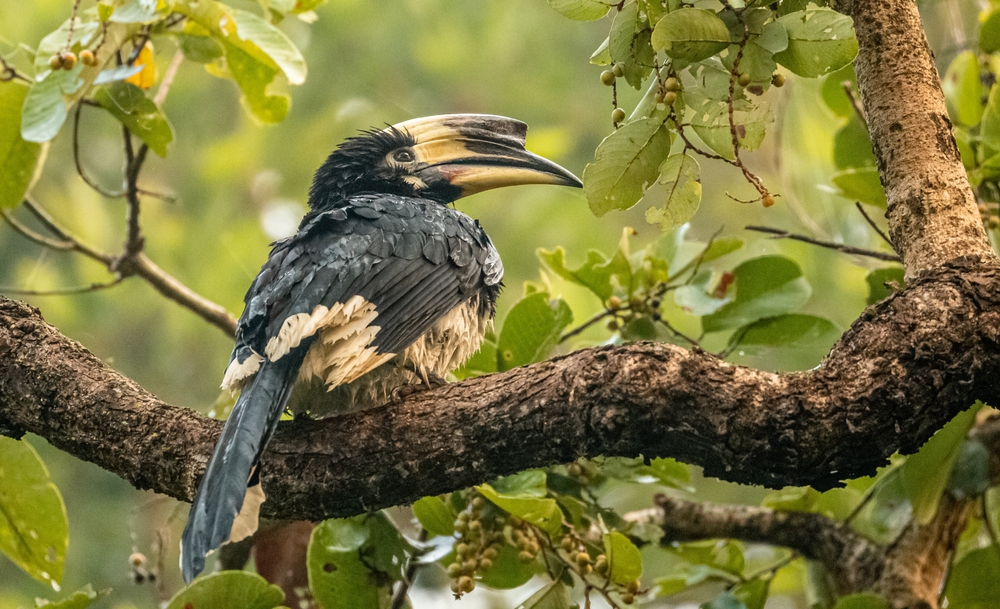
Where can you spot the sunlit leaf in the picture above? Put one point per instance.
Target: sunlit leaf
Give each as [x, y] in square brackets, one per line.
[530, 330]
[676, 194]
[81, 599]
[253, 78]
[792, 498]
[228, 590]
[18, 158]
[553, 595]
[625, 164]
[508, 570]
[602, 55]
[44, 110]
[725, 556]
[963, 87]
[135, 11]
[624, 559]
[33, 526]
[530, 483]
[765, 287]
[127, 103]
[200, 49]
[273, 42]
[690, 34]
[629, 44]
[543, 513]
[819, 41]
[581, 10]
[989, 31]
[711, 122]
[435, 516]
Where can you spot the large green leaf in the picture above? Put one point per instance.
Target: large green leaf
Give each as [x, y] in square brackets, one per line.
[974, 582]
[435, 516]
[724, 556]
[595, 274]
[629, 44]
[44, 110]
[626, 162]
[819, 41]
[531, 329]
[529, 483]
[135, 11]
[861, 184]
[690, 34]
[254, 77]
[990, 130]
[127, 103]
[624, 559]
[34, 531]
[926, 473]
[508, 570]
[272, 42]
[963, 88]
[789, 331]
[877, 280]
[676, 194]
[852, 147]
[338, 577]
[543, 513]
[753, 593]
[581, 10]
[228, 590]
[711, 123]
[553, 595]
[18, 158]
[765, 287]
[989, 31]
[81, 599]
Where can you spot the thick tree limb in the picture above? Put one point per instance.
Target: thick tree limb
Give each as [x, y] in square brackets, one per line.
[902, 370]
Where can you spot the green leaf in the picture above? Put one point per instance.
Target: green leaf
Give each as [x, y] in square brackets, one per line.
[624, 559]
[553, 595]
[629, 46]
[34, 531]
[272, 42]
[753, 594]
[127, 103]
[594, 274]
[602, 56]
[530, 330]
[435, 516]
[865, 600]
[670, 473]
[926, 473]
[581, 10]
[819, 41]
[791, 499]
[676, 194]
[338, 577]
[135, 11]
[483, 361]
[765, 287]
[543, 513]
[861, 184]
[877, 280]
[722, 555]
[530, 483]
[788, 331]
[690, 34]
[990, 130]
[228, 590]
[18, 158]
[386, 550]
[81, 599]
[44, 109]
[891, 509]
[833, 91]
[711, 123]
[974, 581]
[726, 600]
[963, 88]
[625, 163]
[989, 32]
[970, 476]
[852, 147]
[508, 570]
[698, 297]
[200, 49]
[254, 77]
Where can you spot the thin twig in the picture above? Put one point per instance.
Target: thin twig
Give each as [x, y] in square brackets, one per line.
[871, 222]
[855, 102]
[692, 341]
[82, 289]
[52, 226]
[168, 78]
[399, 596]
[31, 235]
[840, 247]
[590, 322]
[134, 160]
[773, 569]
[9, 72]
[79, 166]
[754, 181]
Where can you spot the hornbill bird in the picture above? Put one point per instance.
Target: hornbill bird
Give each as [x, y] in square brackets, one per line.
[384, 285]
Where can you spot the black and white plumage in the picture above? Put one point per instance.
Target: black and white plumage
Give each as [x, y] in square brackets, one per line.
[383, 285]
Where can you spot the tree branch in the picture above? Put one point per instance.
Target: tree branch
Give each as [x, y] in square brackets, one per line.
[902, 370]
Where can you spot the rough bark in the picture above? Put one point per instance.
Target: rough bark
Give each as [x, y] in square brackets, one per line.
[899, 373]
[931, 209]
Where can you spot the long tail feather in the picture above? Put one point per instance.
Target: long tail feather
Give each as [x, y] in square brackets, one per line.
[247, 431]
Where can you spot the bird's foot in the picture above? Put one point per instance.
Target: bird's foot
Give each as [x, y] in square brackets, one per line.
[428, 381]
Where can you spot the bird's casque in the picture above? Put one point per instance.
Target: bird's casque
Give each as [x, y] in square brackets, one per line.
[383, 285]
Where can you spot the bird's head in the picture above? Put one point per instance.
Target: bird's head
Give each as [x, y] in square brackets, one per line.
[441, 158]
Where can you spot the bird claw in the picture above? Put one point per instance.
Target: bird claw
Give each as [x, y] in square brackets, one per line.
[427, 382]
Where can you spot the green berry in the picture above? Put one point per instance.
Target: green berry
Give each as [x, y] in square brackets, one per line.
[608, 77]
[778, 79]
[670, 98]
[672, 84]
[617, 69]
[454, 570]
[743, 79]
[618, 115]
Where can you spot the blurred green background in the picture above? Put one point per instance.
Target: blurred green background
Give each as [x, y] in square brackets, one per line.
[240, 185]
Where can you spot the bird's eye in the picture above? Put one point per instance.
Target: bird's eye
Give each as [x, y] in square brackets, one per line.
[403, 155]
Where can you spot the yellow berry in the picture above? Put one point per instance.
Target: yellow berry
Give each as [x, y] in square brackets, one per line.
[585, 569]
[568, 543]
[69, 60]
[743, 79]
[670, 98]
[455, 587]
[454, 570]
[532, 547]
[466, 584]
[56, 62]
[88, 58]
[469, 566]
[617, 69]
[478, 503]
[633, 586]
[628, 598]
[489, 553]
[618, 115]
[525, 556]
[672, 84]
[475, 526]
[583, 558]
[767, 200]
[608, 77]
[601, 564]
[778, 79]
[485, 563]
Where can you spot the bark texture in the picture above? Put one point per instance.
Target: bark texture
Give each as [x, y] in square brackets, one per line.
[901, 371]
[931, 209]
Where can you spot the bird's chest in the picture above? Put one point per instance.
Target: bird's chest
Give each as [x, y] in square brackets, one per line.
[322, 388]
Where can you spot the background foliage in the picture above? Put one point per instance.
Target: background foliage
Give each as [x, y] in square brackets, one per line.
[653, 270]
